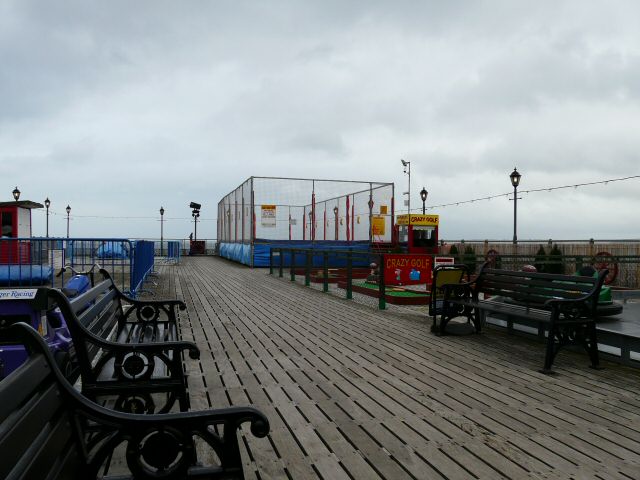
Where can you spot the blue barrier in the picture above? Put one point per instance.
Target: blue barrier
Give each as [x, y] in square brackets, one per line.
[173, 251]
[258, 254]
[142, 261]
[37, 261]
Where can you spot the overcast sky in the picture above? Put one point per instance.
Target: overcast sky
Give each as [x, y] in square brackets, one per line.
[119, 107]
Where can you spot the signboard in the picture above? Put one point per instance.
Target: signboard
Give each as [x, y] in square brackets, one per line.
[383, 209]
[418, 219]
[377, 225]
[402, 269]
[19, 294]
[268, 216]
[444, 261]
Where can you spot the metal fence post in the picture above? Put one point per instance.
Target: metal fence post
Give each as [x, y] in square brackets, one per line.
[270, 261]
[307, 269]
[325, 271]
[349, 275]
[382, 301]
[292, 266]
[281, 262]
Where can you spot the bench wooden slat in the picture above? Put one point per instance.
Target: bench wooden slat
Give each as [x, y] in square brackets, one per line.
[90, 296]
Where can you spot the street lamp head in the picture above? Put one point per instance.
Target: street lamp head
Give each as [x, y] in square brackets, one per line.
[161, 211]
[68, 209]
[16, 194]
[404, 163]
[423, 194]
[47, 202]
[515, 177]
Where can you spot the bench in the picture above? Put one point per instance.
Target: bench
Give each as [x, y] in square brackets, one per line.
[563, 306]
[48, 430]
[124, 348]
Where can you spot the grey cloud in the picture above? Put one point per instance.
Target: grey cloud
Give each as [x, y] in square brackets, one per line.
[158, 102]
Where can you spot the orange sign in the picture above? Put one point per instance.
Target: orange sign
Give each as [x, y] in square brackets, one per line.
[377, 226]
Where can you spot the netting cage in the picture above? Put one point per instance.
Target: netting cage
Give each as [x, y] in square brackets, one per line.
[309, 213]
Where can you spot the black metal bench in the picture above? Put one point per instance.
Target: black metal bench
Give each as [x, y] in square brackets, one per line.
[563, 306]
[48, 430]
[126, 348]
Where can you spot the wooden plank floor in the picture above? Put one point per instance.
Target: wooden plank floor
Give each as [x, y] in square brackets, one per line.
[352, 392]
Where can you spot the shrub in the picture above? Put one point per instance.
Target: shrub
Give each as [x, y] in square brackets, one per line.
[453, 252]
[469, 258]
[555, 263]
[540, 260]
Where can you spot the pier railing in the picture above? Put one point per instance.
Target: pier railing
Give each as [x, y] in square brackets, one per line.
[343, 272]
[38, 261]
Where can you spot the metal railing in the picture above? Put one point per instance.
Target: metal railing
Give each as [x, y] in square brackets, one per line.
[328, 266]
[323, 267]
[36, 261]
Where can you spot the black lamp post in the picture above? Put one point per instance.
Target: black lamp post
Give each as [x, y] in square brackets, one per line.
[68, 212]
[16, 194]
[47, 204]
[335, 214]
[195, 213]
[423, 196]
[515, 181]
[161, 231]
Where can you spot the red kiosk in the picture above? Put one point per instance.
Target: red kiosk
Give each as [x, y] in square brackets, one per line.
[15, 222]
[420, 235]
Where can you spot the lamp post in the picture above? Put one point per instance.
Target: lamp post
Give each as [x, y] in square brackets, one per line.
[68, 212]
[16, 194]
[335, 214]
[161, 231]
[407, 170]
[47, 204]
[515, 181]
[423, 196]
[195, 213]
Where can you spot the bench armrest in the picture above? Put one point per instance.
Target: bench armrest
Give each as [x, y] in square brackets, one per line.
[178, 345]
[160, 303]
[458, 289]
[141, 303]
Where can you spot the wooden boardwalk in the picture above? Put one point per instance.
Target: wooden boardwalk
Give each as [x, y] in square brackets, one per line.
[352, 392]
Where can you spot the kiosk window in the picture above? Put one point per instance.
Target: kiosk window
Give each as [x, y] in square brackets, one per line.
[403, 234]
[423, 236]
[7, 224]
